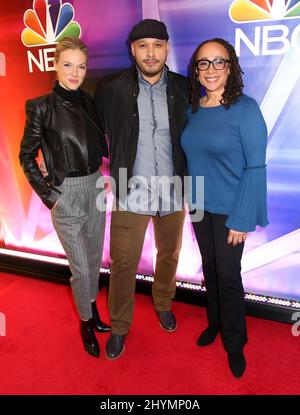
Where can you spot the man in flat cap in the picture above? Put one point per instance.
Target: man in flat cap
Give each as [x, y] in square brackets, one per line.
[143, 112]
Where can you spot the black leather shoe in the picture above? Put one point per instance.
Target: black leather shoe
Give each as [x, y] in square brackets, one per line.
[115, 346]
[207, 336]
[99, 325]
[237, 363]
[88, 337]
[167, 320]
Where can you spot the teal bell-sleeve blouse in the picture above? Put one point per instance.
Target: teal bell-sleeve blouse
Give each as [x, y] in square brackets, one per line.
[228, 148]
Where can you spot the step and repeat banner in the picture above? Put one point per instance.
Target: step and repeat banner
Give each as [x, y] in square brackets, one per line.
[266, 36]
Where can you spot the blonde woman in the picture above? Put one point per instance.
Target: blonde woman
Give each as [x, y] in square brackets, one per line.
[63, 126]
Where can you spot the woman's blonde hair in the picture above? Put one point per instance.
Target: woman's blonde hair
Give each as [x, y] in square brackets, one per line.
[70, 42]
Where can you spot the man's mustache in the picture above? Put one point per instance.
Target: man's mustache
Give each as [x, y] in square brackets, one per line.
[151, 60]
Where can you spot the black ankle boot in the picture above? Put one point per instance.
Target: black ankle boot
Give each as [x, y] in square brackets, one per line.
[99, 325]
[237, 363]
[207, 336]
[88, 337]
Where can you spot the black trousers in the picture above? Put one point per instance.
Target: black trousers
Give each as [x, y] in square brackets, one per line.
[221, 265]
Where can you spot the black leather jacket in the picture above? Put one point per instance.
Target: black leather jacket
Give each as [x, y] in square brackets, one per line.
[57, 128]
[116, 105]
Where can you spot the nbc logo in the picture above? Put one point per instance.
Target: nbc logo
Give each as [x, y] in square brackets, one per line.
[47, 23]
[242, 11]
[275, 39]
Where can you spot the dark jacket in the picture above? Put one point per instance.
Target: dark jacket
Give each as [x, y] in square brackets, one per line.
[56, 126]
[116, 105]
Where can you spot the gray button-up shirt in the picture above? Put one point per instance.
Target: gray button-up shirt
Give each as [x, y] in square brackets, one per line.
[153, 164]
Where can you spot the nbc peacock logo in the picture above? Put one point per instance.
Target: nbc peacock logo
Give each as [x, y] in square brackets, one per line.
[246, 11]
[48, 22]
[269, 38]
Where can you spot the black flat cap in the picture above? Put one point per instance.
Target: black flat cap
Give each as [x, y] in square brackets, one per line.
[149, 28]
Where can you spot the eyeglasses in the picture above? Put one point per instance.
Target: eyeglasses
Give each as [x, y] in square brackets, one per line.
[218, 64]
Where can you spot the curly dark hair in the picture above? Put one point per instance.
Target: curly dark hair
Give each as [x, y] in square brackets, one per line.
[234, 85]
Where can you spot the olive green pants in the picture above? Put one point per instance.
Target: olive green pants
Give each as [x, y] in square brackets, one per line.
[127, 235]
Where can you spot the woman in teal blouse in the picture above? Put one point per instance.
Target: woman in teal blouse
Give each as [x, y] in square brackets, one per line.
[225, 141]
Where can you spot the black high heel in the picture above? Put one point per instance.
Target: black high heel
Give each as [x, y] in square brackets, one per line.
[88, 337]
[99, 325]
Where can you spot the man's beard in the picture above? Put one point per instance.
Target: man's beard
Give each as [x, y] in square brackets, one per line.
[148, 73]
